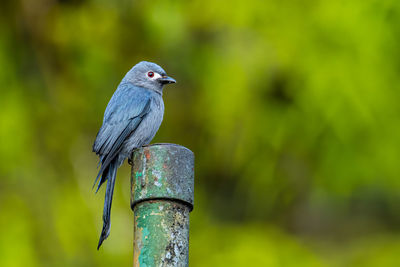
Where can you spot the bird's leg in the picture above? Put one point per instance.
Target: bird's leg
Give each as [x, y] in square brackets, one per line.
[130, 162]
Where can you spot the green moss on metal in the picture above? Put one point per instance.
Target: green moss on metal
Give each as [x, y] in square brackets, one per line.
[162, 171]
[162, 198]
[161, 234]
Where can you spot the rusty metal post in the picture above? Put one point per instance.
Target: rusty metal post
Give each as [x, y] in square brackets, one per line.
[162, 184]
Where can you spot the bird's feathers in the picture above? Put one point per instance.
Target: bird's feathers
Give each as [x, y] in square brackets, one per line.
[131, 126]
[111, 174]
[127, 103]
[119, 123]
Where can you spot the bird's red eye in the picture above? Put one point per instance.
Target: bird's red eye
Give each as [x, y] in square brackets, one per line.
[150, 74]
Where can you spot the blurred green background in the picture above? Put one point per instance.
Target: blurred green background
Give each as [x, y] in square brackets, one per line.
[291, 108]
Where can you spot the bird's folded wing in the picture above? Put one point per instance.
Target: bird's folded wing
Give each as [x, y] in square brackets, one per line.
[126, 110]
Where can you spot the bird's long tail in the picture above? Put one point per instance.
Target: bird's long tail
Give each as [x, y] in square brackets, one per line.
[111, 175]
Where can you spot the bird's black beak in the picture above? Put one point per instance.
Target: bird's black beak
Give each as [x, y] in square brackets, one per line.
[166, 80]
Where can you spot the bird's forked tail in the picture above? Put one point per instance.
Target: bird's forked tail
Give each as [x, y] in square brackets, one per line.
[111, 175]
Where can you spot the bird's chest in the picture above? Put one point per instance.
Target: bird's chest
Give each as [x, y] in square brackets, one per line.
[155, 116]
[147, 128]
[150, 124]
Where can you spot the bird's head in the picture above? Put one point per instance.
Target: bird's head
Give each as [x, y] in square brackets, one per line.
[148, 75]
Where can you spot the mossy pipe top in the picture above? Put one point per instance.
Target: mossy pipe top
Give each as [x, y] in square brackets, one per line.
[162, 171]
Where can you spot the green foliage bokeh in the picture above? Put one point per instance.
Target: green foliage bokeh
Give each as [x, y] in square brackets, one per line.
[289, 106]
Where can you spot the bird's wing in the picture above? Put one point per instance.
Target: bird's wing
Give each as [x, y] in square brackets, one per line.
[125, 111]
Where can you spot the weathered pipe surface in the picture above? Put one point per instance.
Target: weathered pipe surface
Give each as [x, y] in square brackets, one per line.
[162, 185]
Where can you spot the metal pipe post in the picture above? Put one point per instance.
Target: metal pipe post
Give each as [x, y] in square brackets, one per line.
[162, 185]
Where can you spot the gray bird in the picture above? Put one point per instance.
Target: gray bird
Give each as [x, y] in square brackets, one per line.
[131, 120]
